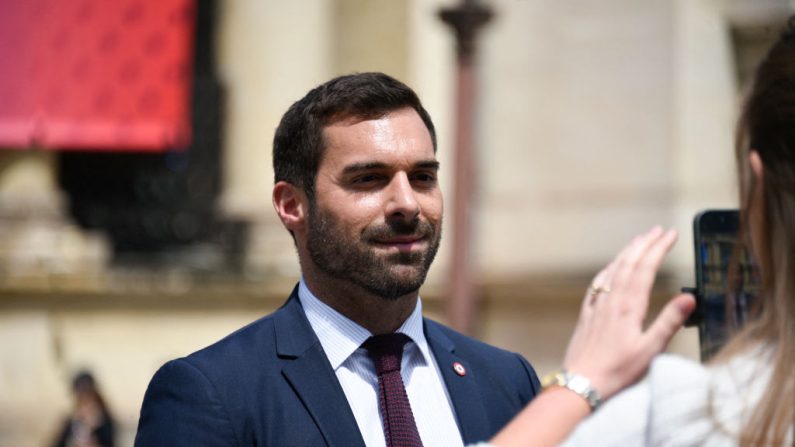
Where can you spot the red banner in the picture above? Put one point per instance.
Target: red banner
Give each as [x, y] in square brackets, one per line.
[96, 74]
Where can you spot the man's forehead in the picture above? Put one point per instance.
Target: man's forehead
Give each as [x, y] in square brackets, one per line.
[376, 119]
[397, 136]
[349, 119]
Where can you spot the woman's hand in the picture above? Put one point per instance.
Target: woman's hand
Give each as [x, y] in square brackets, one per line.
[609, 345]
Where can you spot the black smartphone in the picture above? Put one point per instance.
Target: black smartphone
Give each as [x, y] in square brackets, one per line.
[715, 235]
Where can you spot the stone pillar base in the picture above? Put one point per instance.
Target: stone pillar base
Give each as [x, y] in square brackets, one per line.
[37, 238]
[270, 252]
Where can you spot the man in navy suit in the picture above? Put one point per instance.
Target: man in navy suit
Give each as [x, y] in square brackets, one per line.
[356, 187]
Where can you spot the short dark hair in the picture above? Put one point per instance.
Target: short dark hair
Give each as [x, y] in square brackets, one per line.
[298, 145]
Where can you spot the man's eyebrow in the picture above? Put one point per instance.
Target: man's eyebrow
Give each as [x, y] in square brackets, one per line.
[428, 164]
[375, 165]
[358, 167]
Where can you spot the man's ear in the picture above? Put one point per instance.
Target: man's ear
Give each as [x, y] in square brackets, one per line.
[291, 204]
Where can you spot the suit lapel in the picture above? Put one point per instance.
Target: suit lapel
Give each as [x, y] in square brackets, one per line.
[311, 376]
[463, 390]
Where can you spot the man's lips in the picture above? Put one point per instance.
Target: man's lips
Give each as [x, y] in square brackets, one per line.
[401, 242]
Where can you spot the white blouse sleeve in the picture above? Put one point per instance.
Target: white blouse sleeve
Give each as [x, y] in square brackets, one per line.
[668, 407]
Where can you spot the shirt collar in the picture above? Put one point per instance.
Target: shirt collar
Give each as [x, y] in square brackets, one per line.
[340, 336]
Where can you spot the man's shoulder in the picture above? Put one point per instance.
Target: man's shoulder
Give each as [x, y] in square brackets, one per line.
[254, 335]
[234, 387]
[249, 344]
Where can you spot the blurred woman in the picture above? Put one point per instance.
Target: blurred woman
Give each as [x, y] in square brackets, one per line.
[90, 424]
[746, 396]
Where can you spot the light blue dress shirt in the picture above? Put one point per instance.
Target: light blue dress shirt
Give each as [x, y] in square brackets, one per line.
[342, 338]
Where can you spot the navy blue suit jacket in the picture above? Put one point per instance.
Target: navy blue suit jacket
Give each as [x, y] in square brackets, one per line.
[270, 384]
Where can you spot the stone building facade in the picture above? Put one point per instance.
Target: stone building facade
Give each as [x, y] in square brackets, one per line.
[596, 121]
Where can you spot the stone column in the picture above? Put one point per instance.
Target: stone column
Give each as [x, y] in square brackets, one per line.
[38, 241]
[271, 52]
[466, 20]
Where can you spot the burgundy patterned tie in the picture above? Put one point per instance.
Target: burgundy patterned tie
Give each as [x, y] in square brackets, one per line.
[398, 421]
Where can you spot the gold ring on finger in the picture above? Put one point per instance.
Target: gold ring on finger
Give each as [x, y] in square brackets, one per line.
[596, 290]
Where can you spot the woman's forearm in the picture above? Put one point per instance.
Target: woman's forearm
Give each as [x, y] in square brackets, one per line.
[546, 421]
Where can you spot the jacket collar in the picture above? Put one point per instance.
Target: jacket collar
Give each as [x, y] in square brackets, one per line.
[311, 376]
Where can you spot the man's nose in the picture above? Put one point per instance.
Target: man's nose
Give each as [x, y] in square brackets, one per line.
[402, 201]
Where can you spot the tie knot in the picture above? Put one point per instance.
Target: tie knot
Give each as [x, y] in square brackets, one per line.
[386, 351]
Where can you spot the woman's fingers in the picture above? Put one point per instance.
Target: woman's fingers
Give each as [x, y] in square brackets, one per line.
[602, 279]
[671, 318]
[606, 278]
[612, 280]
[639, 285]
[629, 259]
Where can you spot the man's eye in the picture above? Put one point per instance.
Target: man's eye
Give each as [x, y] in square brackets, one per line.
[425, 177]
[368, 178]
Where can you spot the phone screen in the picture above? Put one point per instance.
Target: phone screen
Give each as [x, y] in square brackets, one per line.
[715, 239]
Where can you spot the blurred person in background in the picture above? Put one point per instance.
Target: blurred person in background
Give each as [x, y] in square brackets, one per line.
[746, 395]
[90, 424]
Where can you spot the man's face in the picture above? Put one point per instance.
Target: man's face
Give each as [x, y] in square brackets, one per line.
[377, 212]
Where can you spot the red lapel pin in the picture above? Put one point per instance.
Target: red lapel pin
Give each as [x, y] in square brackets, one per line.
[459, 369]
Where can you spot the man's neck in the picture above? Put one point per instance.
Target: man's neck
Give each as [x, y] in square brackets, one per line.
[374, 313]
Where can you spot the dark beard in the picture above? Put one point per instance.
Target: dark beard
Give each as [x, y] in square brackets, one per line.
[357, 261]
